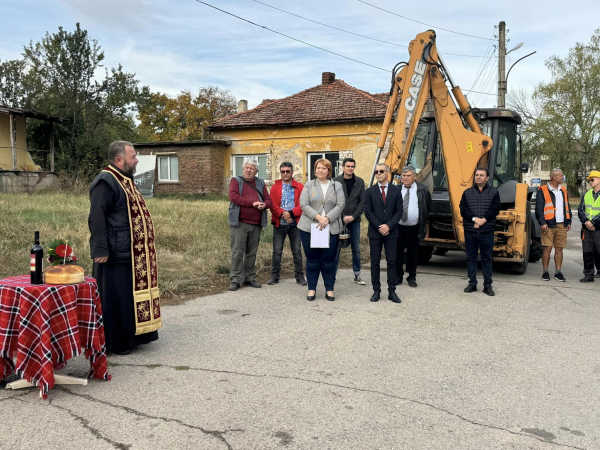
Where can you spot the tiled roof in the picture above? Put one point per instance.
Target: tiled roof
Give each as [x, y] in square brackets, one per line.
[333, 102]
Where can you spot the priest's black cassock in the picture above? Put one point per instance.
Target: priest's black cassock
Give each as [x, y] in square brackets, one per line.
[111, 236]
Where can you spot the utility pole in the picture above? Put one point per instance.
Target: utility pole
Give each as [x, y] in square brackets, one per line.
[501, 64]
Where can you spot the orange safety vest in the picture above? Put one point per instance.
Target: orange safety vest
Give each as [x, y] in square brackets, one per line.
[549, 206]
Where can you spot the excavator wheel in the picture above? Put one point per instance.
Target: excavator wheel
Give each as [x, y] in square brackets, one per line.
[535, 254]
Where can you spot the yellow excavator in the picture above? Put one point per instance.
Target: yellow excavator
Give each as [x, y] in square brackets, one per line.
[445, 139]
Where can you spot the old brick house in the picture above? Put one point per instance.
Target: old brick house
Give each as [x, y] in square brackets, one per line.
[187, 167]
[332, 120]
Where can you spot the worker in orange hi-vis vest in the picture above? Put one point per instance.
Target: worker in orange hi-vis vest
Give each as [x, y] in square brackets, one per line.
[554, 215]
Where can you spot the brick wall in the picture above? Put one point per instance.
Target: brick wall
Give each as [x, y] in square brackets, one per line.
[200, 166]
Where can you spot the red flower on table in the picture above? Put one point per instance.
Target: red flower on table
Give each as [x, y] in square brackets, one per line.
[63, 250]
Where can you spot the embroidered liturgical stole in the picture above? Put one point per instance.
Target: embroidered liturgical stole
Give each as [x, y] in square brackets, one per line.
[146, 297]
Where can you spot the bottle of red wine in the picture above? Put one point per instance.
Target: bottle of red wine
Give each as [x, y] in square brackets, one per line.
[36, 261]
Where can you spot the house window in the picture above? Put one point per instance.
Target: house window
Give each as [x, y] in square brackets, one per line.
[168, 168]
[545, 167]
[238, 165]
[332, 157]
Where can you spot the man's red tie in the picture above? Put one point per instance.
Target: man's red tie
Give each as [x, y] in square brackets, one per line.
[383, 193]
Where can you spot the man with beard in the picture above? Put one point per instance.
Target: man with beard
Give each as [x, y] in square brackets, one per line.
[122, 247]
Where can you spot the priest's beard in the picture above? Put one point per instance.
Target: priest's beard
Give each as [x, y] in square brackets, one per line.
[129, 170]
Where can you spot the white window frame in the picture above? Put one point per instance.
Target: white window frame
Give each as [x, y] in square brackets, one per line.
[167, 180]
[244, 155]
[322, 154]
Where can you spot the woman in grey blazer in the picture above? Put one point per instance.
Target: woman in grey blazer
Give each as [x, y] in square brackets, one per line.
[322, 202]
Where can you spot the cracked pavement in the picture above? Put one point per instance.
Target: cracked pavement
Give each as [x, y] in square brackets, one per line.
[265, 369]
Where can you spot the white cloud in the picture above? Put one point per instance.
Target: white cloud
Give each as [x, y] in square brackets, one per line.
[182, 44]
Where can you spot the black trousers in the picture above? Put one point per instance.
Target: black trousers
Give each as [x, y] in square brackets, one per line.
[591, 251]
[391, 247]
[484, 243]
[279, 234]
[409, 240]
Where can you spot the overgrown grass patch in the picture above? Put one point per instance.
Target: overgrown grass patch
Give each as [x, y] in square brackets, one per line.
[192, 239]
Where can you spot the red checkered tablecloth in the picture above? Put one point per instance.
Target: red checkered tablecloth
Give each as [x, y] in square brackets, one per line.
[44, 326]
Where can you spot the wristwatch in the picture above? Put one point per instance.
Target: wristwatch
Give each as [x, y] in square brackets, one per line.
[474, 219]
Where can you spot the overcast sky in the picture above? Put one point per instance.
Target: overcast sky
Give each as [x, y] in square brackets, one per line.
[182, 44]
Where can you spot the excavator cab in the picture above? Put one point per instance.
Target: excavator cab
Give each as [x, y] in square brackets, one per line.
[506, 171]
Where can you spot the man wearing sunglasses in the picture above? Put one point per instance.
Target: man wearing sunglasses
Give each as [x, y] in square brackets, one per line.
[383, 210]
[354, 191]
[285, 213]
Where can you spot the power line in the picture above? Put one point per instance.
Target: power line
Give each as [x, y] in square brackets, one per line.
[484, 72]
[477, 92]
[477, 74]
[293, 38]
[351, 32]
[423, 23]
[489, 82]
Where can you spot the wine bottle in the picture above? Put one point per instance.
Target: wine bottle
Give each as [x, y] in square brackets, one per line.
[36, 261]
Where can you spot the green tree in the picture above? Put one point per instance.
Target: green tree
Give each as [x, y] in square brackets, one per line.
[563, 124]
[186, 116]
[63, 75]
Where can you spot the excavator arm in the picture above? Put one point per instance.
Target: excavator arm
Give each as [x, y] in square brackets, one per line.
[423, 77]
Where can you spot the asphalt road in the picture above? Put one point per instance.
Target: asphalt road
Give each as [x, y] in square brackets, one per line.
[266, 369]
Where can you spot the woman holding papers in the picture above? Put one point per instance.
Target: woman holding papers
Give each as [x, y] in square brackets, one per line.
[322, 203]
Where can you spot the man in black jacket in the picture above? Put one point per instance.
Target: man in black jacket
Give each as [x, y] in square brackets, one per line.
[354, 191]
[553, 212]
[111, 249]
[383, 209]
[479, 207]
[416, 203]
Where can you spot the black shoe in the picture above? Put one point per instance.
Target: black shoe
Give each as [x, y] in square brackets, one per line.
[560, 277]
[332, 298]
[470, 288]
[394, 297]
[546, 276]
[301, 281]
[489, 291]
[310, 298]
[412, 282]
[253, 284]
[587, 280]
[375, 297]
[273, 280]
[234, 286]
[122, 352]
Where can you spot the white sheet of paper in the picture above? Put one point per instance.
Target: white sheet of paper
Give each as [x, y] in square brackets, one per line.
[319, 238]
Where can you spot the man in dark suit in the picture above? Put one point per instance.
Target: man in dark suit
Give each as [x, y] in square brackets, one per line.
[383, 210]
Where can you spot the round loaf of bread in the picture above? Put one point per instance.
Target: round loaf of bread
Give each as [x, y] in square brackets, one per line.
[63, 274]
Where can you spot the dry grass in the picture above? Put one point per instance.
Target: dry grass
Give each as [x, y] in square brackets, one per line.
[192, 239]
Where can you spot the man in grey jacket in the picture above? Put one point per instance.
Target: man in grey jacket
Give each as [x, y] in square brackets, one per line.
[354, 192]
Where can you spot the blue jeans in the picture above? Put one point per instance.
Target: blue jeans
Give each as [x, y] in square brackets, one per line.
[484, 243]
[354, 230]
[320, 261]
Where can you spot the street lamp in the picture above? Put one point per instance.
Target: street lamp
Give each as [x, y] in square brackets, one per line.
[506, 81]
[516, 47]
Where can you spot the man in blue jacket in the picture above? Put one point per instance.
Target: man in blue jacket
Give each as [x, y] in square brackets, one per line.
[479, 207]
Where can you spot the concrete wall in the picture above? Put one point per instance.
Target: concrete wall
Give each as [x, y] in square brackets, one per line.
[200, 168]
[26, 182]
[294, 144]
[24, 161]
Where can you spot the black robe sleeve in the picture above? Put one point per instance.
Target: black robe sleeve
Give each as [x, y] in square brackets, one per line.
[100, 204]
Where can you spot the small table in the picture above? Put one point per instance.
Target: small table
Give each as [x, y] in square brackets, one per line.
[46, 325]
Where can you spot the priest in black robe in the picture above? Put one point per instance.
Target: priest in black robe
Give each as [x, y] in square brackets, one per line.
[111, 250]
